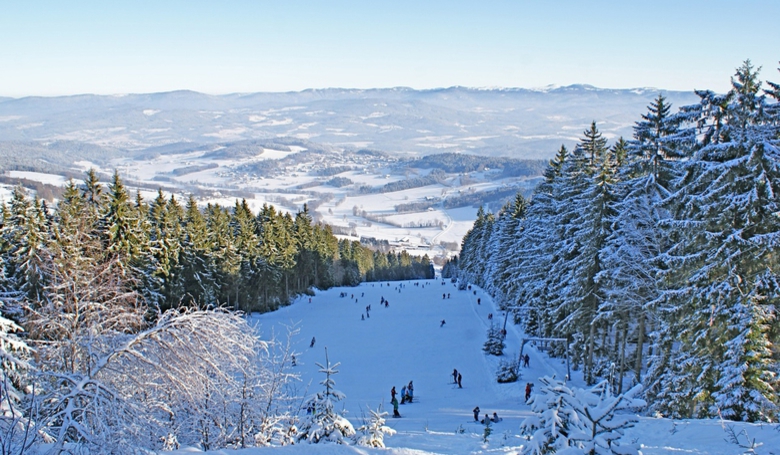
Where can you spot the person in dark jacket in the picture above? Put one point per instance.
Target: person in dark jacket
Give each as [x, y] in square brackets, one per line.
[476, 414]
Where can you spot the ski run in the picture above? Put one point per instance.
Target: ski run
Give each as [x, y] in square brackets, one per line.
[405, 341]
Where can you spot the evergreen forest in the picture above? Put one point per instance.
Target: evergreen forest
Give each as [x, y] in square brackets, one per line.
[657, 257]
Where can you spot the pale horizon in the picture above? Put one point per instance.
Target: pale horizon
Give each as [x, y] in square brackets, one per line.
[497, 88]
[88, 47]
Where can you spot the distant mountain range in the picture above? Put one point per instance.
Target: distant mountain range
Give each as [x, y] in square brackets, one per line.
[519, 123]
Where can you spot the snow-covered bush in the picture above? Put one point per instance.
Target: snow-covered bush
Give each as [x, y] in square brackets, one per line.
[19, 430]
[508, 371]
[268, 403]
[175, 381]
[374, 430]
[575, 421]
[495, 341]
[322, 423]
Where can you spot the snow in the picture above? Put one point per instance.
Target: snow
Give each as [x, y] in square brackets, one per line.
[405, 342]
[50, 179]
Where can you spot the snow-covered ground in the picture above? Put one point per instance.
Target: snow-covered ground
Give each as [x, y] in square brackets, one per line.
[406, 342]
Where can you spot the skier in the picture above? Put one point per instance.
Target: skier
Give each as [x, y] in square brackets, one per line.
[395, 407]
[455, 376]
[448, 295]
[410, 391]
[525, 360]
[486, 419]
[312, 342]
[479, 301]
[490, 317]
[392, 393]
[476, 414]
[442, 323]
[403, 394]
[444, 296]
[528, 388]
[460, 378]
[495, 418]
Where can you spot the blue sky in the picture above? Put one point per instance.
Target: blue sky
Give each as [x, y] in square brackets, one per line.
[68, 47]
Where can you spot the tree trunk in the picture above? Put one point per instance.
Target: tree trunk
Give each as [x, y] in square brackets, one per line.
[624, 341]
[639, 348]
[589, 359]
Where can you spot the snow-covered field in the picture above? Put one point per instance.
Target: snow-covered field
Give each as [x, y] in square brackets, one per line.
[433, 230]
[406, 342]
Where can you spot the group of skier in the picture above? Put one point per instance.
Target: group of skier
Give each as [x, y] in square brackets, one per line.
[457, 378]
[407, 395]
[487, 418]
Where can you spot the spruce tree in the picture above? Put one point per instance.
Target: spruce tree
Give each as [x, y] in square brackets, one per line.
[722, 291]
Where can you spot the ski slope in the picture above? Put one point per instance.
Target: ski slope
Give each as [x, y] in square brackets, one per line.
[405, 342]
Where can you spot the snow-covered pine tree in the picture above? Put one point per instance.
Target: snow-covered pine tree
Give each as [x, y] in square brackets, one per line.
[501, 258]
[584, 192]
[25, 235]
[532, 254]
[473, 248]
[723, 286]
[14, 350]
[164, 256]
[547, 431]
[246, 241]
[198, 270]
[508, 370]
[576, 421]
[323, 423]
[450, 268]
[119, 225]
[374, 430]
[19, 430]
[494, 345]
[630, 257]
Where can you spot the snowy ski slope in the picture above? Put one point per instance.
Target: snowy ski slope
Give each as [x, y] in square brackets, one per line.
[405, 341]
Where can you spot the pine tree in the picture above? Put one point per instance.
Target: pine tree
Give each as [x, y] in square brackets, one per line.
[198, 270]
[580, 421]
[584, 194]
[25, 234]
[495, 341]
[120, 223]
[722, 293]
[165, 250]
[374, 430]
[322, 423]
[502, 258]
[532, 255]
[631, 254]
